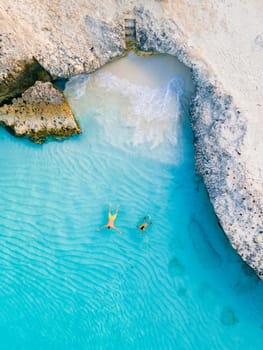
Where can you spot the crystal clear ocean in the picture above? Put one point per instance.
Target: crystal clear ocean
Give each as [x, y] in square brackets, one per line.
[64, 285]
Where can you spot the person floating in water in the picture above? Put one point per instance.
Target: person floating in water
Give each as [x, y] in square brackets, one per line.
[147, 221]
[111, 219]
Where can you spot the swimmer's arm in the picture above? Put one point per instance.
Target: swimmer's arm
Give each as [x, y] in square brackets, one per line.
[116, 229]
[101, 228]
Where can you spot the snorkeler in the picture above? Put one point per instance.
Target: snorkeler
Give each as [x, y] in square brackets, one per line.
[111, 219]
[147, 221]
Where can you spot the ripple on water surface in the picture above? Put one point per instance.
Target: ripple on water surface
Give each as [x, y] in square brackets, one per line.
[65, 285]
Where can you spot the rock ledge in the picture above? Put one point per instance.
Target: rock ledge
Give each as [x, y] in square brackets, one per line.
[42, 111]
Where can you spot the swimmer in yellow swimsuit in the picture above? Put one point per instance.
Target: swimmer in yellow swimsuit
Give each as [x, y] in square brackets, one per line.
[111, 219]
[147, 221]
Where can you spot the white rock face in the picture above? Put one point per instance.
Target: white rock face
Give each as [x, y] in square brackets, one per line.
[66, 37]
[228, 35]
[222, 41]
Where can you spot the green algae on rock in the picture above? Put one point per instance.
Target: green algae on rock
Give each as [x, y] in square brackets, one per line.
[42, 111]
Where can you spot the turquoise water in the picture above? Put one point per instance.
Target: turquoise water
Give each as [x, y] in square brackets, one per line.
[65, 285]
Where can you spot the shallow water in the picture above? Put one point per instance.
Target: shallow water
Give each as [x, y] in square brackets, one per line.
[65, 285]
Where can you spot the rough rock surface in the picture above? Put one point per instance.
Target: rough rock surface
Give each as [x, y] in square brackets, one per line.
[220, 41]
[41, 111]
[18, 77]
[65, 37]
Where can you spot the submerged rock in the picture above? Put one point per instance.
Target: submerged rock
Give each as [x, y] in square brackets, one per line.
[175, 268]
[41, 111]
[228, 317]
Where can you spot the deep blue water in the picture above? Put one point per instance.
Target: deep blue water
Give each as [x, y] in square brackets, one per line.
[65, 285]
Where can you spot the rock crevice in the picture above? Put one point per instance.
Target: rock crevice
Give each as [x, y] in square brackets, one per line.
[20, 75]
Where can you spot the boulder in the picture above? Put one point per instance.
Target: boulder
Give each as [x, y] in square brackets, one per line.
[42, 111]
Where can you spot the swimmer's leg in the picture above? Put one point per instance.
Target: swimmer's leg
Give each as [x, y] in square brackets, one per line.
[148, 219]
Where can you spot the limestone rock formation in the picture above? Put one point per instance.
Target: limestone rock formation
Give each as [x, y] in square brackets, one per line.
[66, 39]
[42, 111]
[19, 76]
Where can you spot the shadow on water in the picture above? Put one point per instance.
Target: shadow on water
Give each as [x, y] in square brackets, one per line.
[206, 253]
[60, 83]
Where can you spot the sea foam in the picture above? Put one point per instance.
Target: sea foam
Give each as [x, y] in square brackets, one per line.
[145, 118]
